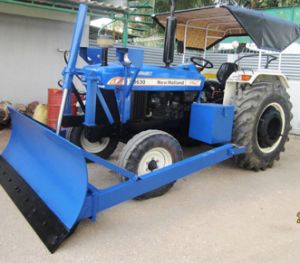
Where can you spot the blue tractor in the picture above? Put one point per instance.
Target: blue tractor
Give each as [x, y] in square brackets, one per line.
[153, 110]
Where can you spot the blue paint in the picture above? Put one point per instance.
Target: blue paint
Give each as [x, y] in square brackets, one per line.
[68, 72]
[111, 196]
[52, 166]
[56, 169]
[181, 72]
[90, 104]
[211, 123]
[91, 55]
[126, 78]
[77, 35]
[135, 56]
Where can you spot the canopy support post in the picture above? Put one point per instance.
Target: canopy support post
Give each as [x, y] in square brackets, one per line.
[205, 44]
[184, 41]
[259, 59]
[279, 61]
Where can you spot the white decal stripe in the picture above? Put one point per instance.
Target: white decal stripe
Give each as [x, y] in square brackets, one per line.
[156, 82]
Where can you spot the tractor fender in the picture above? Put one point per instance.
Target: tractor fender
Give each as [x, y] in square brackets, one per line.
[242, 77]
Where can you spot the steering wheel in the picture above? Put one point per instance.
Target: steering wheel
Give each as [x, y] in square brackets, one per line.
[198, 61]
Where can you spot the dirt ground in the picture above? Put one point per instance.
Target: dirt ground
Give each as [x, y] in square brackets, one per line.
[222, 214]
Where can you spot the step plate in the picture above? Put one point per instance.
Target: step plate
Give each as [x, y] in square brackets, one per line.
[45, 223]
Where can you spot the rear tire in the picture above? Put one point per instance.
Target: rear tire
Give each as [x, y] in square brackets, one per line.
[148, 151]
[104, 148]
[262, 123]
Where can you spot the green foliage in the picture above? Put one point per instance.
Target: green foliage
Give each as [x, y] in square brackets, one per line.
[269, 3]
[164, 6]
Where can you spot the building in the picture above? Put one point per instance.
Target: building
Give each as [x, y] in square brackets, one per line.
[33, 38]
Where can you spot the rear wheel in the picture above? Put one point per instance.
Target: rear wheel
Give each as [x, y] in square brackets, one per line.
[148, 151]
[262, 123]
[103, 147]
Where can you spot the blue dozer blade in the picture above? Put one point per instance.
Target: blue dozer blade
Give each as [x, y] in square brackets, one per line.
[49, 167]
[46, 177]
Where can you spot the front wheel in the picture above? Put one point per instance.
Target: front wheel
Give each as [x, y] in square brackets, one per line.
[148, 151]
[262, 123]
[104, 147]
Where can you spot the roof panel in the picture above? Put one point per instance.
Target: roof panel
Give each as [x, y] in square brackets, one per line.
[95, 7]
[217, 23]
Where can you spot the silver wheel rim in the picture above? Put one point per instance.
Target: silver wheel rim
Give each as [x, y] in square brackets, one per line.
[94, 147]
[160, 155]
[278, 107]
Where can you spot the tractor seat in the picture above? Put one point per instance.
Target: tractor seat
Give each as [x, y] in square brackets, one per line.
[224, 71]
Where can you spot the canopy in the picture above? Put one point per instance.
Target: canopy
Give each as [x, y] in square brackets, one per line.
[202, 28]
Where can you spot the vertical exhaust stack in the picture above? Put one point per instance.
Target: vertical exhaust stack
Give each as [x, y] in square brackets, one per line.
[104, 57]
[170, 36]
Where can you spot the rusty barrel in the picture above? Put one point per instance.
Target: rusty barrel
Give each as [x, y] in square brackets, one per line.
[54, 102]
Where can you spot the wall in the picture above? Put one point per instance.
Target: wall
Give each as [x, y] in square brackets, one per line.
[29, 60]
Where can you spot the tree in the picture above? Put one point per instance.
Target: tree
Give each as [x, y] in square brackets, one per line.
[164, 5]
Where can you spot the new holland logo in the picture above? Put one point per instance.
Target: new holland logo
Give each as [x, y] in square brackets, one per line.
[116, 81]
[156, 82]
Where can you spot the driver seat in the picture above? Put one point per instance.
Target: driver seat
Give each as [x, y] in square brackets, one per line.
[224, 71]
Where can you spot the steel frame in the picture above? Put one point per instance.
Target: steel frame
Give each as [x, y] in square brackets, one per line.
[69, 6]
[98, 200]
[55, 198]
[208, 29]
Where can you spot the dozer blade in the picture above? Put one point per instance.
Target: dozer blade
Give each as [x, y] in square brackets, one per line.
[46, 177]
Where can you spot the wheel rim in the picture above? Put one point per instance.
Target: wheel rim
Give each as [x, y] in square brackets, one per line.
[270, 127]
[94, 147]
[155, 158]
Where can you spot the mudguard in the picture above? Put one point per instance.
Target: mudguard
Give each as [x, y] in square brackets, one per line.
[46, 177]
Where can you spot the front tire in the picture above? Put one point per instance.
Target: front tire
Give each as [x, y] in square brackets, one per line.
[262, 123]
[148, 151]
[104, 148]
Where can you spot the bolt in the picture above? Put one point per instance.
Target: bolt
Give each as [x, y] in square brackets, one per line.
[152, 165]
[53, 239]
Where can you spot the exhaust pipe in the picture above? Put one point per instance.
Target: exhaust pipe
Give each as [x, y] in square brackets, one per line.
[170, 36]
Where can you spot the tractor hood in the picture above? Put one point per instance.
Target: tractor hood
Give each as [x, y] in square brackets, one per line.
[150, 77]
[202, 28]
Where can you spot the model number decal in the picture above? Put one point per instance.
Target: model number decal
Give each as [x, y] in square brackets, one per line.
[156, 82]
[140, 81]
